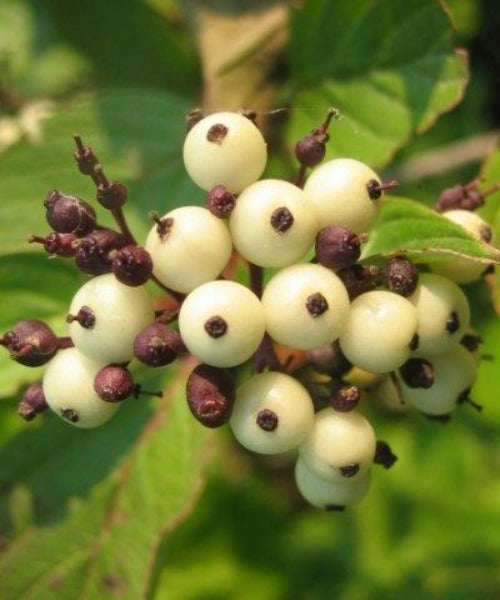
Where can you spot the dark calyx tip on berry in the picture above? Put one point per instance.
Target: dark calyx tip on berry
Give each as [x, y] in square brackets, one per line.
[471, 341]
[464, 397]
[70, 415]
[400, 276]
[114, 383]
[349, 470]
[249, 113]
[195, 115]
[375, 188]
[210, 394]
[281, 219]
[417, 373]
[220, 201]
[452, 323]
[84, 317]
[267, 419]
[132, 265]
[384, 456]
[335, 507]
[217, 133]
[337, 247]
[316, 304]
[344, 398]
[414, 342]
[215, 326]
[163, 226]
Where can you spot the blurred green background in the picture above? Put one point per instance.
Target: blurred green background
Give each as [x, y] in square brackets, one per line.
[151, 505]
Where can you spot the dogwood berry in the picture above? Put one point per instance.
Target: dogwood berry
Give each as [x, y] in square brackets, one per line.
[443, 314]
[306, 306]
[222, 323]
[210, 394]
[105, 317]
[330, 495]
[271, 225]
[273, 413]
[68, 386]
[344, 191]
[189, 246]
[225, 149]
[380, 331]
[339, 446]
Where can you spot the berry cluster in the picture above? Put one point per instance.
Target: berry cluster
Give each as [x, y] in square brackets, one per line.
[321, 319]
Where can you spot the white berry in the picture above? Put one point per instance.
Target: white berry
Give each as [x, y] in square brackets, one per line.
[452, 375]
[340, 445]
[68, 386]
[273, 413]
[119, 312]
[337, 191]
[225, 149]
[443, 313]
[379, 331]
[188, 247]
[458, 268]
[306, 306]
[271, 224]
[222, 323]
[330, 495]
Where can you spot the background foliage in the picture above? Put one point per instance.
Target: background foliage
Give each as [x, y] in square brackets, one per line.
[151, 505]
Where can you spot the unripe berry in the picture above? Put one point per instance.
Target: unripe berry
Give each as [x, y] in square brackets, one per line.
[222, 323]
[69, 214]
[119, 313]
[158, 345]
[225, 149]
[132, 265]
[271, 225]
[210, 394]
[30, 343]
[380, 331]
[359, 279]
[114, 383]
[306, 306]
[61, 244]
[110, 194]
[68, 385]
[457, 268]
[464, 197]
[344, 398]
[443, 314]
[272, 414]
[400, 276]
[337, 247]
[32, 403]
[93, 251]
[339, 446]
[189, 246]
[220, 202]
[311, 149]
[330, 495]
[453, 374]
[337, 191]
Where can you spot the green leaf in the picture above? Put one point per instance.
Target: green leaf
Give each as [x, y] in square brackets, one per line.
[490, 175]
[138, 136]
[409, 227]
[32, 287]
[103, 500]
[388, 66]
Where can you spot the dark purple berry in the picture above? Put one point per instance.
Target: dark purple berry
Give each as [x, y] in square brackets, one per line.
[311, 149]
[210, 394]
[30, 343]
[158, 345]
[114, 383]
[463, 197]
[384, 455]
[337, 247]
[69, 214]
[110, 194]
[220, 201]
[359, 279]
[417, 373]
[61, 244]
[84, 156]
[344, 398]
[32, 403]
[132, 265]
[329, 360]
[92, 252]
[400, 276]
